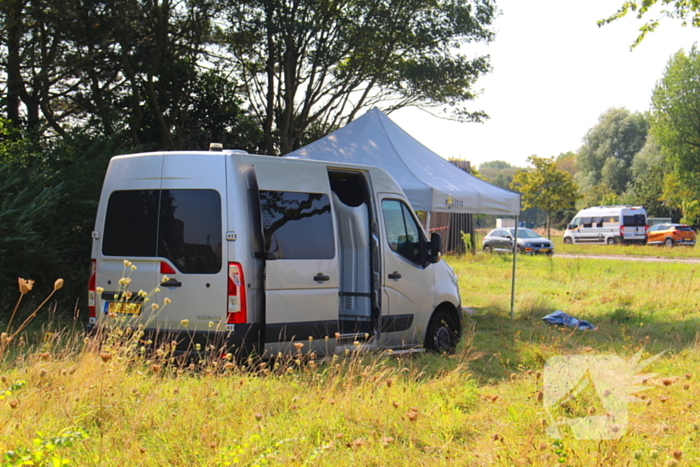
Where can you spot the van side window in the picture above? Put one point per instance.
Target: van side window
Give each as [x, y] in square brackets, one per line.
[586, 222]
[297, 225]
[183, 226]
[402, 231]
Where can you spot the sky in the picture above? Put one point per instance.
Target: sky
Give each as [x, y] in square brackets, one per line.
[555, 72]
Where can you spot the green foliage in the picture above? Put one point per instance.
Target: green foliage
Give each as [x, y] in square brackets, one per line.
[688, 11]
[48, 199]
[467, 240]
[545, 187]
[315, 64]
[676, 129]
[604, 161]
[44, 452]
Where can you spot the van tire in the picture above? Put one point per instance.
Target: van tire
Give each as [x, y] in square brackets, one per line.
[568, 241]
[669, 242]
[442, 335]
[611, 241]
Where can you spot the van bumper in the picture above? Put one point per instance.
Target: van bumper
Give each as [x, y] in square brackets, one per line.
[242, 342]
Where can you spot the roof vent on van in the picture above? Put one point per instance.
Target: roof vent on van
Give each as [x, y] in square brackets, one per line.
[216, 147]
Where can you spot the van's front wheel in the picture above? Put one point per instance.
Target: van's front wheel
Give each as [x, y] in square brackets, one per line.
[442, 334]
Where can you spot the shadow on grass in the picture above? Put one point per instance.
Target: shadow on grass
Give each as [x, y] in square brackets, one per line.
[501, 347]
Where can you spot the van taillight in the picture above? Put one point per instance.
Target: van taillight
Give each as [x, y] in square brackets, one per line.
[622, 231]
[92, 294]
[236, 313]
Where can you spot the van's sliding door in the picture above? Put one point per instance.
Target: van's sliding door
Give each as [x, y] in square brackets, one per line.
[300, 251]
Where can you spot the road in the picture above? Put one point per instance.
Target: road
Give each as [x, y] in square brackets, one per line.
[644, 259]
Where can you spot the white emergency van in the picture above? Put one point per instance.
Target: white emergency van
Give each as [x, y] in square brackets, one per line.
[256, 253]
[608, 224]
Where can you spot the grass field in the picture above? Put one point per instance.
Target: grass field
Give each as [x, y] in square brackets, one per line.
[64, 398]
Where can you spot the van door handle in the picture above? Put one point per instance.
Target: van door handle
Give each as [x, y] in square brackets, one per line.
[171, 283]
[395, 275]
[321, 277]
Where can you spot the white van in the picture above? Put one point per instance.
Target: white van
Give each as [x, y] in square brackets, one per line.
[262, 252]
[608, 224]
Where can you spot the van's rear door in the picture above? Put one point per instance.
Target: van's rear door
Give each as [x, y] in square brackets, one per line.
[191, 240]
[128, 227]
[300, 252]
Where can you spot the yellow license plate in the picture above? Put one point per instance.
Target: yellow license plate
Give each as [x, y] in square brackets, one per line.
[124, 308]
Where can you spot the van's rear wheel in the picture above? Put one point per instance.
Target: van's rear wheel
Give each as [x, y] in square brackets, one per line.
[612, 241]
[442, 334]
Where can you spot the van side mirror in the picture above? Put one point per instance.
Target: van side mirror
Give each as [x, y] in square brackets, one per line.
[435, 247]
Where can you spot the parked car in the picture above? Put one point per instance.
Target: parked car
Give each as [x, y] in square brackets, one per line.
[670, 235]
[501, 240]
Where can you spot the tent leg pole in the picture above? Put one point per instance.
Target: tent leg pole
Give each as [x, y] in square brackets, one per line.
[427, 223]
[515, 257]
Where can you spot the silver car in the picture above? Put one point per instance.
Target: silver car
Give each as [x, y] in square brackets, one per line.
[529, 242]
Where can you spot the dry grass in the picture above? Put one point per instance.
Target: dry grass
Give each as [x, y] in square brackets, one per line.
[482, 406]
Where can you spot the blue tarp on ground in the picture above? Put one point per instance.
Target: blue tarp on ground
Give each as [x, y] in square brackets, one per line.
[559, 318]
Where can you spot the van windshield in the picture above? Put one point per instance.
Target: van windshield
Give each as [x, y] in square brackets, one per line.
[183, 226]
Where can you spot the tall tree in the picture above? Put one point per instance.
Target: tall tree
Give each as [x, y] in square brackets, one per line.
[546, 187]
[608, 149]
[314, 64]
[649, 170]
[676, 128]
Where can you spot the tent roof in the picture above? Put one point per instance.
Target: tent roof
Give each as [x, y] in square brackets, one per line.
[429, 181]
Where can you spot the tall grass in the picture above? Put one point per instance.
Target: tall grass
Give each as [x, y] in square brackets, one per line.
[67, 397]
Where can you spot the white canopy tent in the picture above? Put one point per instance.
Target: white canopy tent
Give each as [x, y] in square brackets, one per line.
[429, 181]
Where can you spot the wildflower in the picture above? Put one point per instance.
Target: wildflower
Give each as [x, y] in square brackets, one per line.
[142, 293]
[133, 267]
[99, 290]
[45, 356]
[14, 404]
[58, 284]
[42, 373]
[127, 263]
[166, 301]
[211, 324]
[198, 347]
[677, 454]
[311, 338]
[298, 345]
[155, 306]
[258, 416]
[165, 279]
[155, 368]
[112, 314]
[25, 285]
[105, 356]
[185, 323]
